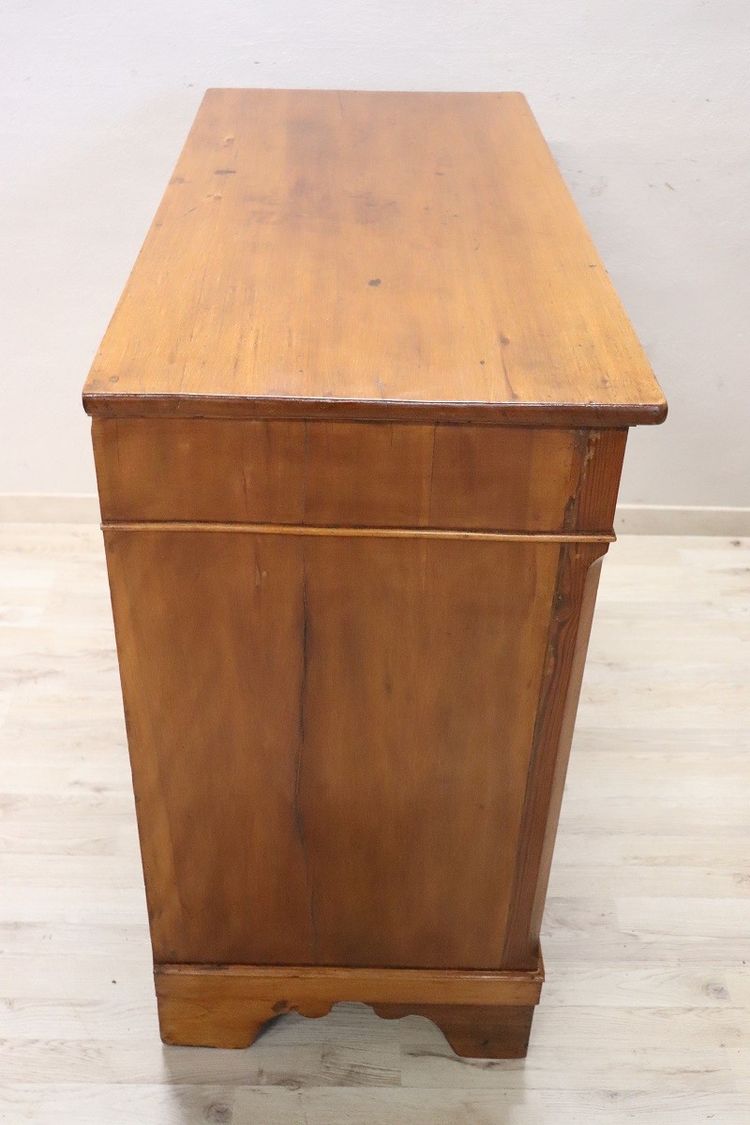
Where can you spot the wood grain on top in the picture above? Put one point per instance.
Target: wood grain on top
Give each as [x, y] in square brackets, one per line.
[369, 256]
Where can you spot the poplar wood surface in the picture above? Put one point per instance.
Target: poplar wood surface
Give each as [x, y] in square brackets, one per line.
[306, 705]
[350, 704]
[371, 255]
[338, 473]
[360, 421]
[482, 1015]
[357, 475]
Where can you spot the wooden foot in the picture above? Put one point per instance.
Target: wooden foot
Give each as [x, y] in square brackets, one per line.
[224, 1021]
[181, 1025]
[482, 1014]
[473, 1031]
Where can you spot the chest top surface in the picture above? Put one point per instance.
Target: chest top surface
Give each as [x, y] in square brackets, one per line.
[404, 256]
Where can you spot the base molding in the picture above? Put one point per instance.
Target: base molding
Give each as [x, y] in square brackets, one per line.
[483, 1014]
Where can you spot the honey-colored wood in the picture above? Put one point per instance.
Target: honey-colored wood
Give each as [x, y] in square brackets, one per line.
[567, 641]
[359, 424]
[403, 533]
[482, 1014]
[302, 984]
[303, 713]
[570, 622]
[596, 480]
[372, 256]
[368, 475]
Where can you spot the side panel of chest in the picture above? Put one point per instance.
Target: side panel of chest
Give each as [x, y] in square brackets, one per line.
[330, 740]
[355, 474]
[346, 656]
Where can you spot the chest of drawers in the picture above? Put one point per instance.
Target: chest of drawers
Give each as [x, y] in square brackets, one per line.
[358, 422]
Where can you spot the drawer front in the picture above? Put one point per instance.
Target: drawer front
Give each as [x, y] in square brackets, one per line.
[337, 474]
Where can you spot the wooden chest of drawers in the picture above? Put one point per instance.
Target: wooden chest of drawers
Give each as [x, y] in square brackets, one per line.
[358, 420]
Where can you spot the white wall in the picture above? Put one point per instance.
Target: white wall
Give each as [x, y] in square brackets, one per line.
[646, 104]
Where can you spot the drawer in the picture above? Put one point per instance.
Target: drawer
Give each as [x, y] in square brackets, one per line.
[337, 474]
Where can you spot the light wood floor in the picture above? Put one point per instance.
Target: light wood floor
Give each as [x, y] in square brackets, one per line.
[646, 1013]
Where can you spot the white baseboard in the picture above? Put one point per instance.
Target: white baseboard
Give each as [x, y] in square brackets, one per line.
[658, 519]
[631, 519]
[41, 507]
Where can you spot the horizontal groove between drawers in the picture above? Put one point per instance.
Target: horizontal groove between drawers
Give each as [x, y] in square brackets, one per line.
[356, 532]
